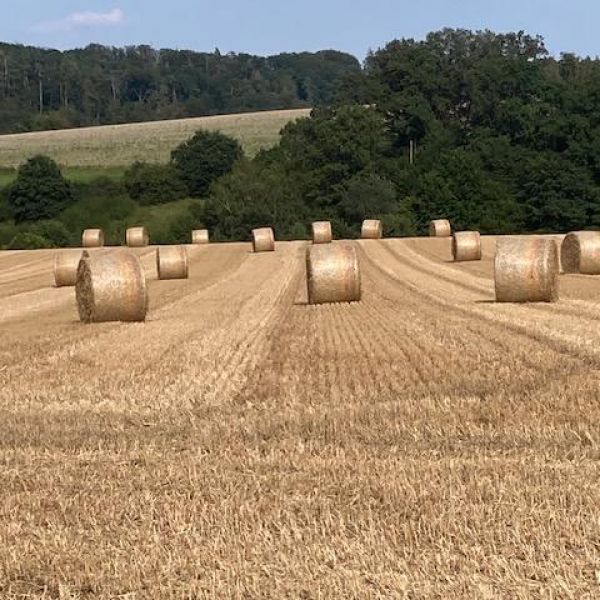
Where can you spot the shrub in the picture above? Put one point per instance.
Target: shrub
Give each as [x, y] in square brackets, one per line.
[204, 158]
[40, 191]
[154, 184]
[54, 232]
[28, 241]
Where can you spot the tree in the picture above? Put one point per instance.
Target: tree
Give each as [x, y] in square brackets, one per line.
[204, 158]
[40, 191]
[154, 184]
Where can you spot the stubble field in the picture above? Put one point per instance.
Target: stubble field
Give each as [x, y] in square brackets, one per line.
[424, 443]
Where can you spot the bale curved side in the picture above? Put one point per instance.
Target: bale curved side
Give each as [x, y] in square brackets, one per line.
[440, 228]
[200, 236]
[321, 232]
[526, 270]
[466, 245]
[371, 229]
[172, 262]
[263, 240]
[580, 252]
[137, 237]
[65, 267]
[332, 274]
[92, 238]
[111, 287]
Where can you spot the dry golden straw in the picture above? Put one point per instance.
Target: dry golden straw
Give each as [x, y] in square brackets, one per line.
[111, 287]
[466, 245]
[332, 274]
[92, 238]
[65, 267]
[526, 270]
[580, 253]
[200, 236]
[172, 262]
[263, 240]
[136, 237]
[440, 228]
[371, 230]
[321, 232]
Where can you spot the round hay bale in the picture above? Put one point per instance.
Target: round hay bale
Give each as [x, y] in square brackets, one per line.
[92, 238]
[172, 262]
[111, 287]
[321, 232]
[200, 236]
[440, 228]
[526, 270]
[580, 252]
[65, 267]
[332, 274]
[371, 230]
[137, 237]
[263, 240]
[466, 245]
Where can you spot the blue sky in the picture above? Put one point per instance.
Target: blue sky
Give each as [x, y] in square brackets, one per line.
[272, 26]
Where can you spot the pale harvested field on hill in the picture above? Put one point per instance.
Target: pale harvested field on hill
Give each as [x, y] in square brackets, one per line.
[425, 443]
[121, 145]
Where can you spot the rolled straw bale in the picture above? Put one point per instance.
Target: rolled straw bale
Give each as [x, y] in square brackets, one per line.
[440, 228]
[371, 230]
[65, 267]
[526, 270]
[263, 240]
[466, 245]
[172, 262]
[200, 236]
[321, 232]
[580, 253]
[111, 287]
[92, 238]
[332, 274]
[137, 237]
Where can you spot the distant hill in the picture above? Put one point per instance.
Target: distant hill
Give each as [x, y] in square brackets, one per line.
[44, 89]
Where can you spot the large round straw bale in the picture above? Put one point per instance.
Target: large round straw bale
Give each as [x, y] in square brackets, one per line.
[65, 267]
[526, 270]
[580, 253]
[200, 236]
[172, 262]
[263, 239]
[440, 228]
[137, 237]
[92, 238]
[111, 287]
[332, 274]
[371, 230]
[466, 245]
[321, 232]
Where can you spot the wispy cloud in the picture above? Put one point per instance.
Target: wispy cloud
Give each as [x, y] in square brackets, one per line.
[79, 20]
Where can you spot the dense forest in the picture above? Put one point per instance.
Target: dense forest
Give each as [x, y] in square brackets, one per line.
[48, 89]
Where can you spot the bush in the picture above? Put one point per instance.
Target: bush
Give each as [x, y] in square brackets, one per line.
[204, 158]
[154, 184]
[28, 241]
[40, 191]
[54, 232]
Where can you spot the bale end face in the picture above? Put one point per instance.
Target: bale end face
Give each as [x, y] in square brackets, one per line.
[440, 228]
[172, 262]
[137, 237]
[263, 240]
[92, 238]
[200, 236]
[371, 230]
[321, 232]
[332, 274]
[466, 246]
[65, 267]
[580, 253]
[526, 270]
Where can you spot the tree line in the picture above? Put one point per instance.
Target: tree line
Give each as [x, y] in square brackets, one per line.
[97, 85]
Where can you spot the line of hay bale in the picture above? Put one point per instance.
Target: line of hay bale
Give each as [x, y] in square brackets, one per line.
[332, 274]
[466, 246]
[137, 237]
[200, 236]
[65, 267]
[526, 270]
[580, 252]
[263, 239]
[371, 230]
[172, 262]
[440, 228]
[92, 238]
[111, 287]
[321, 232]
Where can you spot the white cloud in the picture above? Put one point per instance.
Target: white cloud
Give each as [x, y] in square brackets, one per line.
[78, 20]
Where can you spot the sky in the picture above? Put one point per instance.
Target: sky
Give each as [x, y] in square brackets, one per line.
[271, 26]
